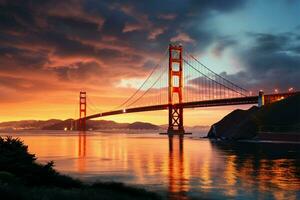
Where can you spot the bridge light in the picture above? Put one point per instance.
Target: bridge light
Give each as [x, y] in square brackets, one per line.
[276, 91]
[291, 89]
[124, 110]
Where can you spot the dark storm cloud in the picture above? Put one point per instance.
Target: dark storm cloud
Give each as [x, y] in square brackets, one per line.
[46, 45]
[272, 62]
[100, 29]
[16, 15]
[12, 58]
[79, 71]
[75, 27]
[187, 17]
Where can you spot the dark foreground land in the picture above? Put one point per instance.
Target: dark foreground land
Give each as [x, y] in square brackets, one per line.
[21, 177]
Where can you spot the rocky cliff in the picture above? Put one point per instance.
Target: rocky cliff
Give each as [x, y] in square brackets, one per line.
[282, 116]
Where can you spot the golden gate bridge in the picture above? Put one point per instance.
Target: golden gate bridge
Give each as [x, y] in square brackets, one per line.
[177, 82]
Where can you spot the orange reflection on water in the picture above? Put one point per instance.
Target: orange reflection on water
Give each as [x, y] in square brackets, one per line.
[177, 165]
[275, 176]
[230, 175]
[178, 178]
[283, 169]
[81, 151]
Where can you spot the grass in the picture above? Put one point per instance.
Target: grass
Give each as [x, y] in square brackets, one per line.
[21, 177]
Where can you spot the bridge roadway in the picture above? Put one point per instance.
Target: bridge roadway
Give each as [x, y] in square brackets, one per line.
[269, 98]
[194, 104]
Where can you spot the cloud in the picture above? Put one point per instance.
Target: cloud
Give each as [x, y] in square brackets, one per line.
[155, 33]
[222, 44]
[167, 16]
[132, 27]
[182, 37]
[268, 62]
[53, 46]
[74, 44]
[272, 61]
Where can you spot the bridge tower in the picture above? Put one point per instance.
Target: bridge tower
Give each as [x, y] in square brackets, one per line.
[261, 99]
[175, 90]
[82, 111]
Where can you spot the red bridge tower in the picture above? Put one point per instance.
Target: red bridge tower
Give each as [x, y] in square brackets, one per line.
[82, 111]
[175, 90]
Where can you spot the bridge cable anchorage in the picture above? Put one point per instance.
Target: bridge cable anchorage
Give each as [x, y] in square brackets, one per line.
[212, 79]
[222, 78]
[144, 83]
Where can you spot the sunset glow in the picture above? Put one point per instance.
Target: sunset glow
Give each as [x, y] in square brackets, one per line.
[149, 99]
[50, 51]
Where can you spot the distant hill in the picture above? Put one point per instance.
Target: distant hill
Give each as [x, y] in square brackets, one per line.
[55, 124]
[103, 125]
[27, 124]
[281, 117]
[142, 125]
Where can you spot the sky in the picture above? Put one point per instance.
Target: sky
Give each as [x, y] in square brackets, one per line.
[52, 49]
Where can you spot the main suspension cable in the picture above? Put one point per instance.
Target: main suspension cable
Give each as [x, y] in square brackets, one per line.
[212, 79]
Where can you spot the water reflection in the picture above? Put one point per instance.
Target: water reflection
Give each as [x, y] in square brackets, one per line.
[271, 167]
[179, 168]
[81, 151]
[177, 187]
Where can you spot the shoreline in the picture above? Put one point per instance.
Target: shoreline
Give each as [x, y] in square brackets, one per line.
[270, 141]
[266, 137]
[252, 141]
[20, 170]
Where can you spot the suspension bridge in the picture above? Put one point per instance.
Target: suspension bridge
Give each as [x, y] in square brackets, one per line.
[177, 82]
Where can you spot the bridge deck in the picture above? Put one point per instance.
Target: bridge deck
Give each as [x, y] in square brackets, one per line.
[269, 98]
[194, 104]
